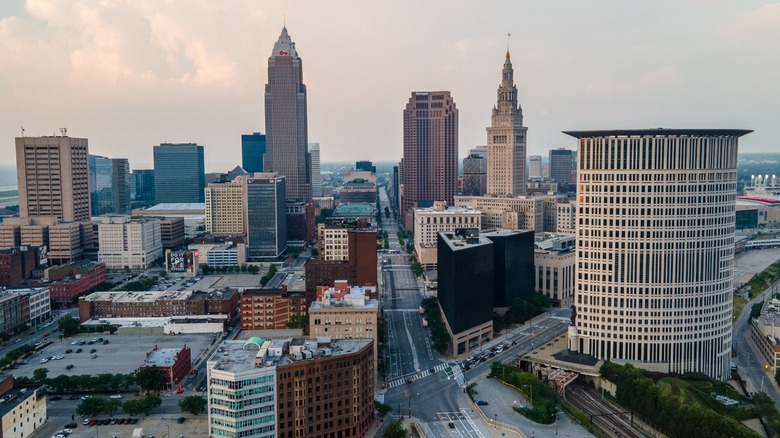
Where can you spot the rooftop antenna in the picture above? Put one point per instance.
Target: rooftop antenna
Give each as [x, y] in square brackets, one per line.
[64, 132]
[22, 131]
[507, 41]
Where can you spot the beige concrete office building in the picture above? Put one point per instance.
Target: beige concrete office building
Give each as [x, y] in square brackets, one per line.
[506, 140]
[655, 247]
[519, 213]
[554, 263]
[567, 217]
[53, 177]
[332, 242]
[129, 243]
[429, 222]
[225, 207]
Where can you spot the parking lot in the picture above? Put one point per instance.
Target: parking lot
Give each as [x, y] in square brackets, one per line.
[122, 355]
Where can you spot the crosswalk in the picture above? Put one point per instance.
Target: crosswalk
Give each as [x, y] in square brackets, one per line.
[422, 374]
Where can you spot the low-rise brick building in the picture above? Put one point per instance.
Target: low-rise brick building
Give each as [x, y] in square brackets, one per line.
[125, 304]
[266, 309]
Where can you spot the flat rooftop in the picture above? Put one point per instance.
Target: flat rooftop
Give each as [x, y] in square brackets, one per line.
[354, 208]
[163, 357]
[653, 132]
[15, 397]
[167, 206]
[237, 356]
[139, 296]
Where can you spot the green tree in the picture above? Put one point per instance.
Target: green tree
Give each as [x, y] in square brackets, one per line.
[133, 407]
[111, 406]
[395, 430]
[40, 374]
[150, 402]
[417, 269]
[91, 407]
[68, 325]
[382, 409]
[150, 379]
[193, 404]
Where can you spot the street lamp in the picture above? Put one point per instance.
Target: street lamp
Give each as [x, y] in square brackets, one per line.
[495, 421]
[532, 392]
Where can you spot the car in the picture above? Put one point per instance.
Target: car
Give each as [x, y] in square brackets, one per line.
[74, 343]
[86, 421]
[90, 342]
[94, 356]
[59, 435]
[93, 422]
[451, 425]
[113, 421]
[92, 350]
[84, 397]
[69, 367]
[105, 342]
[99, 340]
[55, 398]
[133, 420]
[180, 420]
[38, 344]
[482, 403]
[79, 350]
[67, 431]
[17, 340]
[116, 396]
[69, 351]
[432, 370]
[514, 342]
[44, 360]
[82, 342]
[71, 425]
[202, 389]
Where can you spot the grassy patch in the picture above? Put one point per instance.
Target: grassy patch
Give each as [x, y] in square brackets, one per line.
[739, 304]
[760, 282]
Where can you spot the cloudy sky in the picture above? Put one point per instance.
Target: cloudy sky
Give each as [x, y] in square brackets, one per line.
[128, 74]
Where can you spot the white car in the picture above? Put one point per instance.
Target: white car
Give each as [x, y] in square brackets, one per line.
[44, 360]
[74, 342]
[116, 396]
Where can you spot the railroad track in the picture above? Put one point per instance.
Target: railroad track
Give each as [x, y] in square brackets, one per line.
[601, 415]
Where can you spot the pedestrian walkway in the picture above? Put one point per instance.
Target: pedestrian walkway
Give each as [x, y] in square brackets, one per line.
[422, 374]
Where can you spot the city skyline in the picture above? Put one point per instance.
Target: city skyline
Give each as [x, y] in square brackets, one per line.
[133, 75]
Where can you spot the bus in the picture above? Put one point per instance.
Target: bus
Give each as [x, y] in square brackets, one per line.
[425, 323]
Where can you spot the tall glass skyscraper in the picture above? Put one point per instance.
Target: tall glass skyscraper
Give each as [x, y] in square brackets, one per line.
[286, 123]
[179, 174]
[142, 186]
[109, 185]
[252, 151]
[265, 216]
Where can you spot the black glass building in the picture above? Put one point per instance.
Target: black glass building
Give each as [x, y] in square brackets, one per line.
[266, 217]
[513, 265]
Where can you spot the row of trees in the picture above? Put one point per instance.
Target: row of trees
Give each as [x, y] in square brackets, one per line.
[268, 275]
[543, 400]
[94, 406]
[439, 336]
[148, 379]
[680, 418]
[16, 354]
[207, 270]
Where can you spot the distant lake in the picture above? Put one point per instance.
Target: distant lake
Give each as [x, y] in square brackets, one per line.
[7, 178]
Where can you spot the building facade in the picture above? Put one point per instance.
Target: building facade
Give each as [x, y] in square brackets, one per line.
[430, 160]
[655, 247]
[563, 166]
[517, 213]
[129, 243]
[173, 363]
[109, 185]
[554, 263]
[286, 122]
[466, 287]
[24, 409]
[475, 174]
[534, 167]
[17, 264]
[179, 174]
[252, 151]
[271, 309]
[225, 207]
[80, 278]
[506, 140]
[513, 266]
[265, 215]
[53, 177]
[316, 176]
[147, 304]
[142, 187]
[429, 222]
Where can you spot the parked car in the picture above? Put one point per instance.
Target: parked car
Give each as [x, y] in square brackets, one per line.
[180, 420]
[116, 396]
[68, 351]
[92, 350]
[86, 421]
[482, 403]
[79, 350]
[69, 367]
